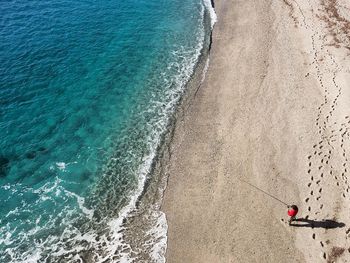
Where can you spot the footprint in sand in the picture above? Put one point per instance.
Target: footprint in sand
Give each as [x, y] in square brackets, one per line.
[307, 200]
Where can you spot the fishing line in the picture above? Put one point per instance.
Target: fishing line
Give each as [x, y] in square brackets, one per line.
[263, 192]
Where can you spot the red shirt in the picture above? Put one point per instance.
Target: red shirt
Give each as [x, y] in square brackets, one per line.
[292, 212]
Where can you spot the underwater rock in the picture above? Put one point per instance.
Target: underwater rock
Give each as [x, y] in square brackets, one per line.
[42, 149]
[30, 155]
[4, 166]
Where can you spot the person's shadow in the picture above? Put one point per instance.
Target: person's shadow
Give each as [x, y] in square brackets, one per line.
[326, 223]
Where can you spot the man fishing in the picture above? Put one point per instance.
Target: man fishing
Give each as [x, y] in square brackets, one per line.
[292, 212]
[292, 209]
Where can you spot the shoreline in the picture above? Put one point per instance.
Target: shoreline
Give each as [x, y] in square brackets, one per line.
[254, 118]
[144, 229]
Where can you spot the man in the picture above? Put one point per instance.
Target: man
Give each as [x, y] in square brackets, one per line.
[292, 212]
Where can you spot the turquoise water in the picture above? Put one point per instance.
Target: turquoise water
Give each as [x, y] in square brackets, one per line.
[86, 91]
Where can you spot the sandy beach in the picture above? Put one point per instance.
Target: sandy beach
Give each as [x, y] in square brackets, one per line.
[273, 111]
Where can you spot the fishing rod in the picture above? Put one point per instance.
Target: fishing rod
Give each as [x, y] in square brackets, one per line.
[263, 192]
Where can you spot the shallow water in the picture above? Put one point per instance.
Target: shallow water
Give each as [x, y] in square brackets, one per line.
[86, 91]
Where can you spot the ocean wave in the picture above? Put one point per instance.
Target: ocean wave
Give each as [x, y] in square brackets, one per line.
[213, 17]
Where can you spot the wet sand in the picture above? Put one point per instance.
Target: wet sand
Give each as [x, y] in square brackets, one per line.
[274, 111]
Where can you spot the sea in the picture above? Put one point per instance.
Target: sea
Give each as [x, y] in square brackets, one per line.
[89, 94]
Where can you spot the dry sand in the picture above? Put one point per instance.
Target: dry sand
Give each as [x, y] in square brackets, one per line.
[273, 110]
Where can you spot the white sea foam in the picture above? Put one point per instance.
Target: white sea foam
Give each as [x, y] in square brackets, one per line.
[81, 202]
[116, 224]
[6, 238]
[6, 186]
[210, 8]
[159, 233]
[62, 165]
[206, 67]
